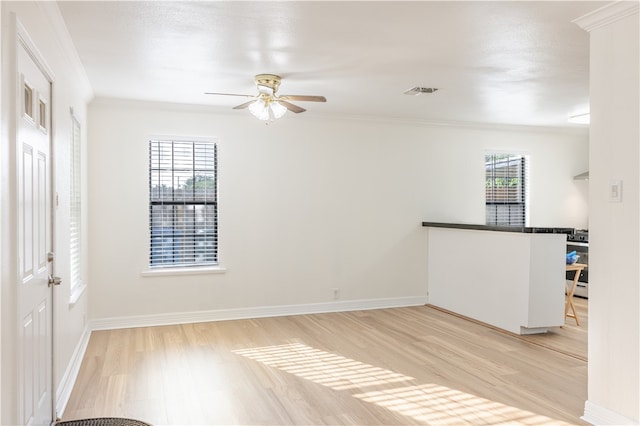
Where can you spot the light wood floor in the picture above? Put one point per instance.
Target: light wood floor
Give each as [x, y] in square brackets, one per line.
[571, 338]
[413, 365]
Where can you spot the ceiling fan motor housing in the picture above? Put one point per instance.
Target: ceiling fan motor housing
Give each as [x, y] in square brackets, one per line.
[268, 80]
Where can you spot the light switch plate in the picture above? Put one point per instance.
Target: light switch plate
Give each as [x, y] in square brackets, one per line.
[615, 191]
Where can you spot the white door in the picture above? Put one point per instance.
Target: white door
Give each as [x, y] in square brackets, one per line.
[34, 242]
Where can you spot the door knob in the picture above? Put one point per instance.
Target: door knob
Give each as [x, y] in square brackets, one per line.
[54, 280]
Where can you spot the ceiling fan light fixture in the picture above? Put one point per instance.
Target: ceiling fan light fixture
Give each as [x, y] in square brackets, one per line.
[260, 110]
[277, 109]
[267, 109]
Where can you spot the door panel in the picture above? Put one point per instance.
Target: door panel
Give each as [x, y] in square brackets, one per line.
[34, 243]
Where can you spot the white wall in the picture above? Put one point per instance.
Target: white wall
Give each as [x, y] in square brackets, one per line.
[524, 295]
[44, 26]
[614, 252]
[307, 204]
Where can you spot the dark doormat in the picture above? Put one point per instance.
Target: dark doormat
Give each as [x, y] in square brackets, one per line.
[102, 421]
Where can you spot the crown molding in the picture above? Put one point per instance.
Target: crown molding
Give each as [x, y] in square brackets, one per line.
[607, 14]
[572, 129]
[52, 12]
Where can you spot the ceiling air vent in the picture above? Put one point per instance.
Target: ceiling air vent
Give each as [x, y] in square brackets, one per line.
[415, 91]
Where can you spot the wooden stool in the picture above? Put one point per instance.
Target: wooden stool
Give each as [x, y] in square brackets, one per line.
[570, 289]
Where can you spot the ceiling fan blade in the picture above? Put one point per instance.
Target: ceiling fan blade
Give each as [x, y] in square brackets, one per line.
[306, 98]
[244, 105]
[291, 107]
[230, 94]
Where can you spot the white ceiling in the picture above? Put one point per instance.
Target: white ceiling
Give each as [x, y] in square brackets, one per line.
[519, 62]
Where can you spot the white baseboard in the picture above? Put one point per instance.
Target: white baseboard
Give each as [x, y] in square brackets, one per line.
[63, 392]
[597, 415]
[253, 312]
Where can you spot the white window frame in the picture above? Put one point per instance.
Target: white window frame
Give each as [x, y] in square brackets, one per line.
[523, 189]
[182, 268]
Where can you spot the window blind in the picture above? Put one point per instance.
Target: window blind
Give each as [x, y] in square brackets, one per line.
[75, 206]
[506, 189]
[183, 209]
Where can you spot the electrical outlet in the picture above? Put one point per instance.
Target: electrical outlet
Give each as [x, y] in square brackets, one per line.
[336, 293]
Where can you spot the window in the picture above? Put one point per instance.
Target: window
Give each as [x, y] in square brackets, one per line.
[506, 189]
[75, 209]
[183, 205]
[43, 115]
[28, 101]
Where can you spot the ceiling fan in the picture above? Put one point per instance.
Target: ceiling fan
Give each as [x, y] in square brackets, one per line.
[267, 104]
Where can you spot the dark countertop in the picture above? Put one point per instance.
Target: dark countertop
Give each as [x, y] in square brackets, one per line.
[520, 229]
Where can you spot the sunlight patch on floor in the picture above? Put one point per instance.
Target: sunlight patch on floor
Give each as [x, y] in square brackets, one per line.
[428, 403]
[321, 367]
[436, 404]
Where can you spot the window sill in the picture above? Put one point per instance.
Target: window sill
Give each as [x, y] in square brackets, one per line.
[76, 292]
[168, 272]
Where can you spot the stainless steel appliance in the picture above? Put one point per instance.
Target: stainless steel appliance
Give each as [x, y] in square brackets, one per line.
[579, 241]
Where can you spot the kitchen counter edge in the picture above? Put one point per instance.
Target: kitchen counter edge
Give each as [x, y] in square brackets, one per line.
[519, 229]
